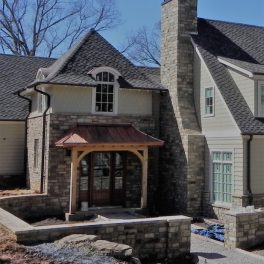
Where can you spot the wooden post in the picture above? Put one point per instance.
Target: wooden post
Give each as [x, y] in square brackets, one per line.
[73, 190]
[144, 195]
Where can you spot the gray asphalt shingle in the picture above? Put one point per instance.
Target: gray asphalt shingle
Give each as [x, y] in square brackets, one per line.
[94, 51]
[238, 42]
[15, 73]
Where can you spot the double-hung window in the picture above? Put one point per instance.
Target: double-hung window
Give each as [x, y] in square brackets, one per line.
[105, 93]
[222, 176]
[209, 101]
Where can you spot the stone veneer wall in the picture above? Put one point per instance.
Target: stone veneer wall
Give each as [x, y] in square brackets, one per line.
[57, 163]
[34, 131]
[133, 181]
[219, 211]
[32, 206]
[244, 230]
[151, 238]
[182, 165]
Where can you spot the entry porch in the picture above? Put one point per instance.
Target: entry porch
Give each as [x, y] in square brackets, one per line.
[109, 165]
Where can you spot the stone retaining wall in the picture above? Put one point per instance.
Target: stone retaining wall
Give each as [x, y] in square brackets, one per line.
[151, 238]
[31, 206]
[244, 230]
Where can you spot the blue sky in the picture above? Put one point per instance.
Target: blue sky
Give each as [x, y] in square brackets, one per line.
[138, 13]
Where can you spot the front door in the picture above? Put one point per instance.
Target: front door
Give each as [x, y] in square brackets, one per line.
[101, 184]
[102, 179]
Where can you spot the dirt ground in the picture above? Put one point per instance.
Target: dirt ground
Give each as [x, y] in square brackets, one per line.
[12, 253]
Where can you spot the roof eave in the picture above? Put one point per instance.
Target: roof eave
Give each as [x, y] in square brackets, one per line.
[61, 83]
[235, 67]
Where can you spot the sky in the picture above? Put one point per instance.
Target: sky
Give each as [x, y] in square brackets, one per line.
[138, 13]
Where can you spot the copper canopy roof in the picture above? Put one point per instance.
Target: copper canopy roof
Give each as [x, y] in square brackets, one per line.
[104, 134]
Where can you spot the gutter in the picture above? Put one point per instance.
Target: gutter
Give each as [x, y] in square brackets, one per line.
[26, 138]
[42, 180]
[249, 170]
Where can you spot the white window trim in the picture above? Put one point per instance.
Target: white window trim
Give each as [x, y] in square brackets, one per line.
[211, 183]
[116, 74]
[259, 98]
[213, 89]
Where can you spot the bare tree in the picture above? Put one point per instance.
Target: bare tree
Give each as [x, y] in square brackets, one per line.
[43, 27]
[144, 46]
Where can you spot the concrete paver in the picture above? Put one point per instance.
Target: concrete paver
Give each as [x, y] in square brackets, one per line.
[211, 252]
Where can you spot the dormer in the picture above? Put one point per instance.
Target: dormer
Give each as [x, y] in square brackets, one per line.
[105, 95]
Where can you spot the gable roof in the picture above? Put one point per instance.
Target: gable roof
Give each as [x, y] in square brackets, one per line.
[240, 43]
[94, 51]
[15, 73]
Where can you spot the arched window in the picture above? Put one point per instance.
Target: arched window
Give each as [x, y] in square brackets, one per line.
[105, 95]
[104, 101]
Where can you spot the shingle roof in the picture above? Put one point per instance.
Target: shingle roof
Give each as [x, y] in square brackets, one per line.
[15, 73]
[94, 51]
[238, 42]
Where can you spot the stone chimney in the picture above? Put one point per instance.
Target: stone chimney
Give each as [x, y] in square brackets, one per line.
[183, 175]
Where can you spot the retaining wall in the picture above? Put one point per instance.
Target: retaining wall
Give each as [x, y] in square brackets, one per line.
[151, 238]
[244, 230]
[31, 206]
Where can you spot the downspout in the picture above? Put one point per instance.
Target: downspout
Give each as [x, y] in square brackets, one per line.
[26, 139]
[250, 200]
[42, 179]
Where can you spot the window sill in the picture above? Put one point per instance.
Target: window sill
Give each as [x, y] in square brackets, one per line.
[207, 116]
[104, 114]
[222, 205]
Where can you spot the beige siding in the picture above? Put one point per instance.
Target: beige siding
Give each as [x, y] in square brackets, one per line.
[227, 144]
[134, 102]
[79, 100]
[71, 99]
[257, 166]
[220, 130]
[12, 141]
[34, 107]
[222, 123]
[246, 87]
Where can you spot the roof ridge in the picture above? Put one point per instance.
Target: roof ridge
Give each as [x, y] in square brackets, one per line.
[230, 22]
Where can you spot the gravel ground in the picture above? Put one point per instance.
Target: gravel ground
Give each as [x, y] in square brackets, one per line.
[210, 252]
[76, 255]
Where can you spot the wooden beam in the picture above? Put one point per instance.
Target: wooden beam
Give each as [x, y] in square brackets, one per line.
[87, 150]
[73, 190]
[144, 192]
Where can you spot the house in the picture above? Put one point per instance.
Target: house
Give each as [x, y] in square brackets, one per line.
[15, 73]
[216, 95]
[185, 138]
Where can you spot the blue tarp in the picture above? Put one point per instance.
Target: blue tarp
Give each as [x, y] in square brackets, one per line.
[216, 232]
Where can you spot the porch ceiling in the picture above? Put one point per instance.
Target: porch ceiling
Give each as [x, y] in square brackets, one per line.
[107, 134]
